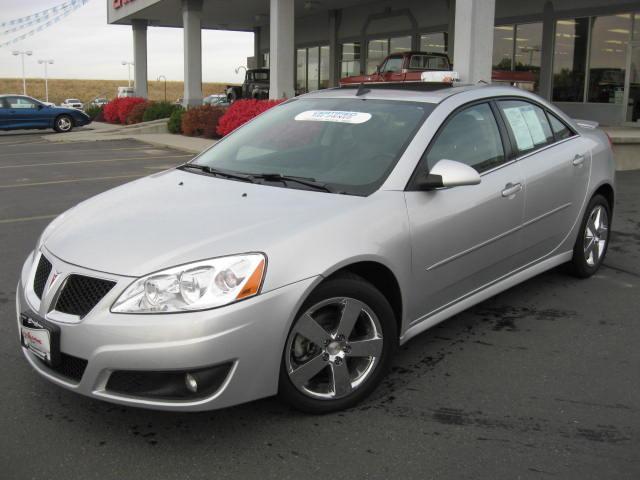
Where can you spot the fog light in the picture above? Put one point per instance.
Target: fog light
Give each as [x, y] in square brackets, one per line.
[191, 383]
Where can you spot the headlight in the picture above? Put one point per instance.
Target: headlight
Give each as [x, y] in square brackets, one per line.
[195, 286]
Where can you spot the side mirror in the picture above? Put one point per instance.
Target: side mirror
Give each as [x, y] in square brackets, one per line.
[40, 106]
[448, 173]
[378, 69]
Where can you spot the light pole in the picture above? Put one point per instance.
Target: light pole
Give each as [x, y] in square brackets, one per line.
[22, 53]
[129, 65]
[165, 86]
[46, 62]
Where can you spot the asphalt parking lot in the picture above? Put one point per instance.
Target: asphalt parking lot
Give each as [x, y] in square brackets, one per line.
[542, 381]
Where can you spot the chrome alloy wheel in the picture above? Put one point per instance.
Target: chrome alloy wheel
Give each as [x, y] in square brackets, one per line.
[333, 348]
[596, 235]
[64, 124]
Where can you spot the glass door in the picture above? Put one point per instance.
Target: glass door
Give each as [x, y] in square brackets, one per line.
[632, 83]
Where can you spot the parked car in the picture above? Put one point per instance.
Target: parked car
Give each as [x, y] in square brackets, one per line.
[403, 67]
[99, 101]
[22, 112]
[126, 92]
[219, 100]
[72, 103]
[298, 253]
[255, 85]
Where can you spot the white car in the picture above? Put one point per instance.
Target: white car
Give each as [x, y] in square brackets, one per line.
[126, 92]
[72, 103]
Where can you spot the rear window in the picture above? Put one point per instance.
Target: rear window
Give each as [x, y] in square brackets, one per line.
[428, 62]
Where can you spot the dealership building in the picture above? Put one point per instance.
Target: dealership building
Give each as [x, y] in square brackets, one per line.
[584, 55]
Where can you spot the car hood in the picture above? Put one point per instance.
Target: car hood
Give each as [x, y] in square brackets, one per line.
[176, 217]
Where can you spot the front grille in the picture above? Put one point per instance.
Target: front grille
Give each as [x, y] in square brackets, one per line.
[70, 367]
[42, 273]
[80, 294]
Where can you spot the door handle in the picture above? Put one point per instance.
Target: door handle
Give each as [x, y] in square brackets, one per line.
[577, 160]
[511, 189]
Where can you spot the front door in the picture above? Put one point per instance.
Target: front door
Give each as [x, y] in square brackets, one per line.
[24, 112]
[465, 238]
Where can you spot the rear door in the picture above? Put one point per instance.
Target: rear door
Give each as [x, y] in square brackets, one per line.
[556, 164]
[465, 238]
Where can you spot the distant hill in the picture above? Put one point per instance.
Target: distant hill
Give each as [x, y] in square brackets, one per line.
[87, 90]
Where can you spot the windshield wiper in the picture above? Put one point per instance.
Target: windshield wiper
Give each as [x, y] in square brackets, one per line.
[309, 182]
[219, 173]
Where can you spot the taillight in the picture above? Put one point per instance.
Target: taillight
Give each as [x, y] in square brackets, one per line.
[610, 142]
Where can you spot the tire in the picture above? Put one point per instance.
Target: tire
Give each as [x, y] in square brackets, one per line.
[354, 338]
[63, 124]
[593, 239]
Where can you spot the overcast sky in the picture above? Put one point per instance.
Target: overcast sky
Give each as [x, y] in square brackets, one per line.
[84, 46]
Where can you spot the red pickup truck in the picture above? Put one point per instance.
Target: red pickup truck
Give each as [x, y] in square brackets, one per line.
[403, 67]
[409, 66]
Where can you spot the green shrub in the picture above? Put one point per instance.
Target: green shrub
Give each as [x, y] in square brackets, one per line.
[93, 111]
[175, 120]
[157, 110]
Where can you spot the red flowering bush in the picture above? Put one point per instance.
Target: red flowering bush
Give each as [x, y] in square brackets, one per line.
[241, 111]
[117, 110]
[137, 112]
[202, 121]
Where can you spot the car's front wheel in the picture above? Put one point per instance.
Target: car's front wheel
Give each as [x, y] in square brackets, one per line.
[339, 346]
[593, 239]
[63, 124]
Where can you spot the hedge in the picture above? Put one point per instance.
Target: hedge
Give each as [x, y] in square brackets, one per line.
[241, 111]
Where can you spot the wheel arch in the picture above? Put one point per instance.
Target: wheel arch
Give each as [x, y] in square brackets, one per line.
[607, 191]
[382, 278]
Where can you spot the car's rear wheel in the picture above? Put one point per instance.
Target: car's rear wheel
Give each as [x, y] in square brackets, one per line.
[593, 239]
[339, 346]
[63, 124]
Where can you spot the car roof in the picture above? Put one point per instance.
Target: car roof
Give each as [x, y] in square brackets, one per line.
[406, 93]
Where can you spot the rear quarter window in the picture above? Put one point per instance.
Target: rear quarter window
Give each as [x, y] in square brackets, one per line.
[560, 130]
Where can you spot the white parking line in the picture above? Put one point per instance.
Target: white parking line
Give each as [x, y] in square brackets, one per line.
[28, 219]
[93, 161]
[75, 151]
[72, 180]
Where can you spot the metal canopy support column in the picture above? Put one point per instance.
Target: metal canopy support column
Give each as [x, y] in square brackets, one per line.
[473, 49]
[139, 28]
[192, 25]
[282, 50]
[546, 55]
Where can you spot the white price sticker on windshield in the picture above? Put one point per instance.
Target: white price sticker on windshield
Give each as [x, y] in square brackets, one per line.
[333, 116]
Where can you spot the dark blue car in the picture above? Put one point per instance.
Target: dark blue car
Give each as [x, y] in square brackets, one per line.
[19, 112]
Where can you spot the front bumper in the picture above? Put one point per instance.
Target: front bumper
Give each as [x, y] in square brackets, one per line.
[249, 336]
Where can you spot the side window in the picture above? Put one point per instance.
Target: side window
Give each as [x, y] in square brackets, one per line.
[527, 123]
[393, 64]
[438, 63]
[3, 103]
[20, 102]
[560, 130]
[470, 136]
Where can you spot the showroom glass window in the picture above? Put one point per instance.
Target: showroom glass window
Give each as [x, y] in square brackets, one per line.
[301, 70]
[607, 58]
[378, 49]
[434, 42]
[312, 68]
[503, 47]
[350, 61]
[516, 48]
[324, 66]
[570, 59]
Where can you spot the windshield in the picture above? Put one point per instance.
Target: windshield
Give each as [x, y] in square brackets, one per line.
[351, 145]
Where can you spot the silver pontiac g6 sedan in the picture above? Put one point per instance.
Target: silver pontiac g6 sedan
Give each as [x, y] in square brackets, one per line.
[295, 255]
